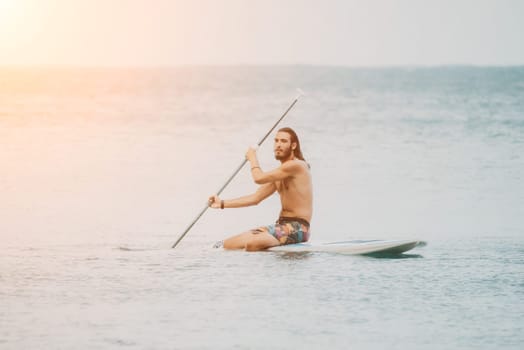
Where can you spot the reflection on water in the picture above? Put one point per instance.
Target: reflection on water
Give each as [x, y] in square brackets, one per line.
[293, 255]
[394, 256]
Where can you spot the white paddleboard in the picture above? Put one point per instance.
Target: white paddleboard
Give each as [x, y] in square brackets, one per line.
[355, 247]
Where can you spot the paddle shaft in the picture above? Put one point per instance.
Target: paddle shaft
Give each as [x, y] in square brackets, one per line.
[234, 174]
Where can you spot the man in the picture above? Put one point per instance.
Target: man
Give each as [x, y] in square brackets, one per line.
[292, 180]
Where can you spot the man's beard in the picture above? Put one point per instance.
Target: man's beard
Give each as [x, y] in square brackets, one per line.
[284, 154]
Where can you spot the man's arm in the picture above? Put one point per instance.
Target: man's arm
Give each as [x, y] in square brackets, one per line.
[288, 169]
[262, 193]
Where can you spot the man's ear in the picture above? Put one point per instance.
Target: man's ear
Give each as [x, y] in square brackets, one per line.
[294, 146]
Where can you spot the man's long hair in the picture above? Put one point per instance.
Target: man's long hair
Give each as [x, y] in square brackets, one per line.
[294, 138]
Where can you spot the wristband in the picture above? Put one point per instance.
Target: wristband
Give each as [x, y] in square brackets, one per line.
[255, 167]
[222, 204]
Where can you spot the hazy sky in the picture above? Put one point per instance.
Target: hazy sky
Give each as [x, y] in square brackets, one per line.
[332, 32]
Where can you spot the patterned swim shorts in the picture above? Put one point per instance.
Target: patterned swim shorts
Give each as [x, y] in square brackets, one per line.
[287, 230]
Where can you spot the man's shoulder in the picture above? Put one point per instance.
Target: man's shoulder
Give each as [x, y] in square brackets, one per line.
[295, 165]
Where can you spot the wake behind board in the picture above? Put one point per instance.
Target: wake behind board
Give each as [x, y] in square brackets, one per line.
[355, 247]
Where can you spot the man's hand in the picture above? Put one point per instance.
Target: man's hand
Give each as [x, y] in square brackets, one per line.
[214, 202]
[251, 153]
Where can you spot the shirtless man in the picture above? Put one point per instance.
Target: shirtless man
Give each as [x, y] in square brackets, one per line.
[292, 180]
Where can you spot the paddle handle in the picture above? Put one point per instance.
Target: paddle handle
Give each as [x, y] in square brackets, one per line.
[300, 93]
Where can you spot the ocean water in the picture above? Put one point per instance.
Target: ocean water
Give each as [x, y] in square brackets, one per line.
[101, 170]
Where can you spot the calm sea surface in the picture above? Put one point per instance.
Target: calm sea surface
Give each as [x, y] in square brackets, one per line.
[102, 169]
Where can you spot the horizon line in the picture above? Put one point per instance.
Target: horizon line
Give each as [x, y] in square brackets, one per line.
[255, 65]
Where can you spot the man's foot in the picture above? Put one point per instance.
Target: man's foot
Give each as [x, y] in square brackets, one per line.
[218, 244]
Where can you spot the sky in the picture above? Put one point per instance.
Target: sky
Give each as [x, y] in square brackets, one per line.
[207, 32]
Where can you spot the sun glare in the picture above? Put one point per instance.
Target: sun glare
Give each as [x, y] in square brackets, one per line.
[13, 28]
[7, 12]
[6, 5]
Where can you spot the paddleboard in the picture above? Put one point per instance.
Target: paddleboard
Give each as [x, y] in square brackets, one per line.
[354, 247]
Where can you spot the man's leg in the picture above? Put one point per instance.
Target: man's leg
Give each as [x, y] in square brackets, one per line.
[237, 241]
[261, 241]
[251, 241]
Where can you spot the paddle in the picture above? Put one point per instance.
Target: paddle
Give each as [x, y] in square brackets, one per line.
[300, 93]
